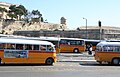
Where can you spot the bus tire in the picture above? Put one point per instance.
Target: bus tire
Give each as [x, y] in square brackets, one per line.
[115, 61]
[76, 50]
[100, 62]
[49, 61]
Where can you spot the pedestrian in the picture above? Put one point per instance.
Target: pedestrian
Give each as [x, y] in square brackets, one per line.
[90, 49]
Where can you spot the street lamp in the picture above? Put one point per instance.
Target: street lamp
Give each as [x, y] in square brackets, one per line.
[86, 28]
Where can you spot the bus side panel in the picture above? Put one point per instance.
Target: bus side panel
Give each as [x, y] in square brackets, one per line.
[65, 48]
[1, 53]
[40, 56]
[70, 48]
[14, 60]
[57, 50]
[106, 56]
[33, 57]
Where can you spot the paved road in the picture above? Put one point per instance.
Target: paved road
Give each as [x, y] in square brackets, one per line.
[60, 69]
[72, 68]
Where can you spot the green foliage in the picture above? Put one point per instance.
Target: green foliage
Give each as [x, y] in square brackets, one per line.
[36, 16]
[36, 12]
[2, 10]
[42, 20]
[17, 11]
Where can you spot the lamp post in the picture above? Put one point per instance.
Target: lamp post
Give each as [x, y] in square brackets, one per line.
[86, 28]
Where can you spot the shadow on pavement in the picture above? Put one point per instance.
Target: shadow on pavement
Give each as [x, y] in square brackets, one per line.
[96, 64]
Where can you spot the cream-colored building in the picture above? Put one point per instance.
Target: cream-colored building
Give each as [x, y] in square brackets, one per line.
[8, 27]
[6, 6]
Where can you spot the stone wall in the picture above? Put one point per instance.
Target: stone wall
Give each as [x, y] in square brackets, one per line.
[10, 26]
[95, 33]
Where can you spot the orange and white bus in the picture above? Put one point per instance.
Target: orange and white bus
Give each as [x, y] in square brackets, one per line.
[108, 52]
[72, 45]
[26, 51]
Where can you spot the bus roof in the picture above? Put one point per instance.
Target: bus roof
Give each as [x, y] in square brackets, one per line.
[45, 38]
[109, 43]
[71, 38]
[24, 41]
[90, 40]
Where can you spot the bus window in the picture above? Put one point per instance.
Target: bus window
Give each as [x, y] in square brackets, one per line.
[13, 46]
[43, 47]
[72, 42]
[35, 47]
[82, 42]
[1, 46]
[19, 46]
[49, 48]
[28, 47]
[63, 42]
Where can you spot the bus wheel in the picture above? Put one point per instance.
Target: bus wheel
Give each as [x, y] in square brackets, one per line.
[116, 61]
[49, 61]
[75, 50]
[100, 62]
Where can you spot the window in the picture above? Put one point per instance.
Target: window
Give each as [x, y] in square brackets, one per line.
[50, 48]
[28, 47]
[63, 42]
[13, 46]
[1, 46]
[35, 47]
[19, 46]
[43, 47]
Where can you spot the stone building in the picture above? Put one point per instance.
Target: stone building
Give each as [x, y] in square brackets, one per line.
[63, 22]
[9, 26]
[94, 32]
[6, 6]
[103, 33]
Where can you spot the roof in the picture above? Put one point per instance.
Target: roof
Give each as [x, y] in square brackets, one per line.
[24, 41]
[109, 43]
[97, 27]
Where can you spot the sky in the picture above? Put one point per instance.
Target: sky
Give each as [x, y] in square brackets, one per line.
[107, 11]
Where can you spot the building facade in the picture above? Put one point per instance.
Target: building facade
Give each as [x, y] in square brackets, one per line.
[6, 6]
[103, 33]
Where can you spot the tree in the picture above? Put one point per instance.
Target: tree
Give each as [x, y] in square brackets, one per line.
[17, 11]
[42, 20]
[12, 11]
[12, 15]
[36, 16]
[21, 10]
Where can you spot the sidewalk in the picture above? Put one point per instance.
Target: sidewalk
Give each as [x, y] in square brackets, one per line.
[75, 57]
